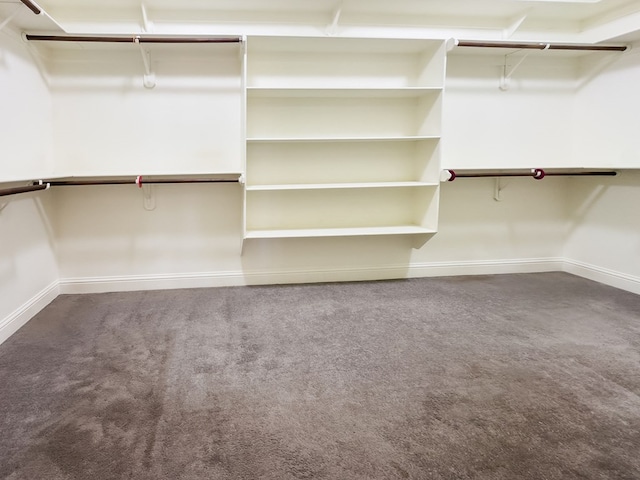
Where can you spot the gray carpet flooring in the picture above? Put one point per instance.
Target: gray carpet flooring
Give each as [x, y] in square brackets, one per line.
[531, 376]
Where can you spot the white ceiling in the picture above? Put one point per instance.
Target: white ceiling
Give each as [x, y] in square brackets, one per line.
[586, 21]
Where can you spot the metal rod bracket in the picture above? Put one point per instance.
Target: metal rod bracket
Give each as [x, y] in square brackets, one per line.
[507, 73]
[149, 78]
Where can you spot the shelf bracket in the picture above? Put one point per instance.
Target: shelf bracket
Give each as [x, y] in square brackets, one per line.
[497, 189]
[507, 73]
[146, 24]
[333, 26]
[8, 20]
[149, 78]
[515, 25]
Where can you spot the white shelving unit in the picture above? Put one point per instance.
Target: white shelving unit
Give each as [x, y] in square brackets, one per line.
[342, 136]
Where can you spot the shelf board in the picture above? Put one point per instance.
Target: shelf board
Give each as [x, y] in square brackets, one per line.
[408, 138]
[339, 232]
[339, 45]
[304, 92]
[330, 186]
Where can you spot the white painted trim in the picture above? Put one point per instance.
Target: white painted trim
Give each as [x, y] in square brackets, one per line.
[487, 267]
[623, 281]
[130, 283]
[237, 278]
[19, 317]
[22, 315]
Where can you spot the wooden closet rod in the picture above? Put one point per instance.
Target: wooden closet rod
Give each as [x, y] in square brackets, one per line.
[536, 173]
[131, 39]
[139, 181]
[32, 6]
[541, 46]
[26, 189]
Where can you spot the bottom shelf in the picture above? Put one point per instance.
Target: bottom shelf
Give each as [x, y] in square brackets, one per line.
[339, 232]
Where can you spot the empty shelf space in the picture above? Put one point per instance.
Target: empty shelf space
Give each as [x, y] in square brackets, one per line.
[323, 209]
[354, 116]
[344, 62]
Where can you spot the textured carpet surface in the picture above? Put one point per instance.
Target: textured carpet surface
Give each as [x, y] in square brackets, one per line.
[492, 377]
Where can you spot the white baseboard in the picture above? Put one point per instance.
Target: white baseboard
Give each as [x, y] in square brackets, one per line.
[130, 283]
[612, 278]
[22, 315]
[236, 278]
[486, 267]
[10, 324]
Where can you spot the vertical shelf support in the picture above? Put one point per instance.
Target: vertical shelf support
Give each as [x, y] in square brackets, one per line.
[507, 73]
[149, 78]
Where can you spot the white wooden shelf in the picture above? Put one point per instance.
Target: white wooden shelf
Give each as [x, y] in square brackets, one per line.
[340, 232]
[407, 138]
[353, 92]
[342, 137]
[330, 186]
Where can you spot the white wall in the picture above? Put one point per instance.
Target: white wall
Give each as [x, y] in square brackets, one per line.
[28, 269]
[603, 238]
[25, 123]
[107, 241]
[526, 126]
[105, 236]
[525, 229]
[605, 121]
[107, 123]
